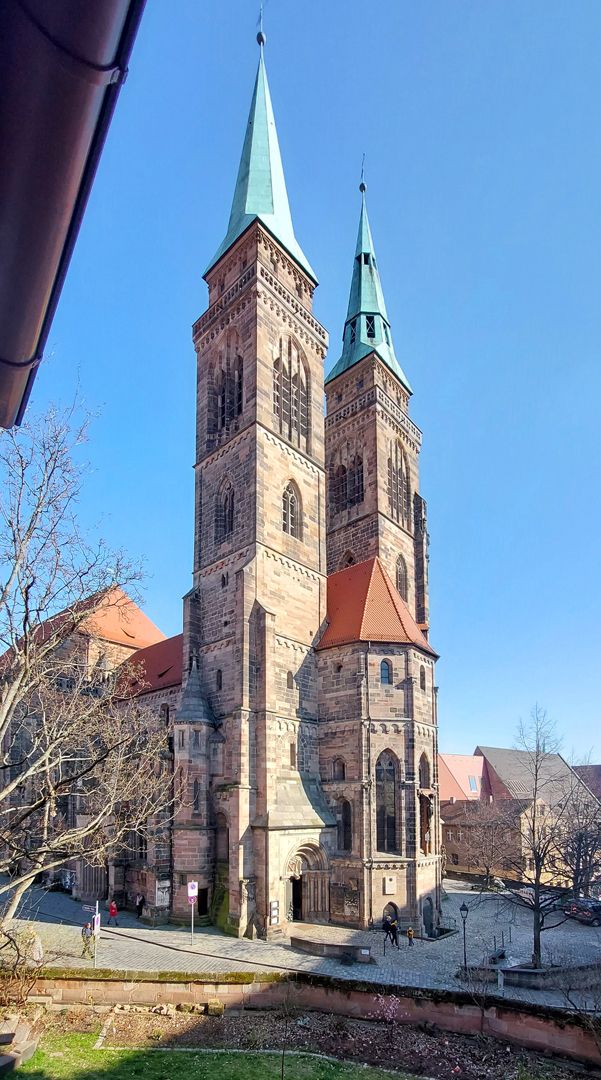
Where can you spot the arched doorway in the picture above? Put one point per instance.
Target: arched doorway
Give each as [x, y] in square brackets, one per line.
[307, 885]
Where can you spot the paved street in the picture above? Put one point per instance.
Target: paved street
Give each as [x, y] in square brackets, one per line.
[492, 920]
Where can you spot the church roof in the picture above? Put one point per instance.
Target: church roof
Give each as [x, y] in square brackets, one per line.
[367, 328]
[363, 605]
[260, 193]
[159, 665]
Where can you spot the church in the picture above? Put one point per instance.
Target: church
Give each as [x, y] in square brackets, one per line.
[300, 698]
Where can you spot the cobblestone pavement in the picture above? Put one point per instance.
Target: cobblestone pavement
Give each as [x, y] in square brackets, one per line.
[493, 921]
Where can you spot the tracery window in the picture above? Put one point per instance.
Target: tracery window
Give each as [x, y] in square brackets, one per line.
[401, 577]
[346, 484]
[224, 512]
[345, 826]
[291, 511]
[355, 481]
[226, 392]
[399, 486]
[291, 395]
[386, 816]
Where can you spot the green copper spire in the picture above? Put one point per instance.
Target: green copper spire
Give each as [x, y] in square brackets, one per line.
[367, 329]
[261, 188]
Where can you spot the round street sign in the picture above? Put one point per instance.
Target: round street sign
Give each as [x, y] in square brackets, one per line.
[191, 899]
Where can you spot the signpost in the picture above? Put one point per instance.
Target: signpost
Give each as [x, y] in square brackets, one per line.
[192, 898]
[96, 929]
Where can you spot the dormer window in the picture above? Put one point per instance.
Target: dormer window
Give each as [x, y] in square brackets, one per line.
[370, 325]
[353, 331]
[365, 258]
[386, 334]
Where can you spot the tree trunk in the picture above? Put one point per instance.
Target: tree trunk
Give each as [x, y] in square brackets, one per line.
[536, 955]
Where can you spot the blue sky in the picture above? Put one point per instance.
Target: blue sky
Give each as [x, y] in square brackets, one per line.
[481, 129]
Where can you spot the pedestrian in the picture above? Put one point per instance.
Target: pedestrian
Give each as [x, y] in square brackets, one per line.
[86, 937]
[387, 928]
[140, 901]
[394, 932]
[410, 935]
[112, 913]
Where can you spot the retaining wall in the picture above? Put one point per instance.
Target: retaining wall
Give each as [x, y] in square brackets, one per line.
[532, 1027]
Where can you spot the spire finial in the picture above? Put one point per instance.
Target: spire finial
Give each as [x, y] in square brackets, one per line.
[261, 36]
[363, 185]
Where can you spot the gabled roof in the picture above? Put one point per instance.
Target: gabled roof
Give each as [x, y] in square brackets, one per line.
[454, 772]
[159, 665]
[366, 302]
[260, 192]
[591, 775]
[363, 605]
[514, 768]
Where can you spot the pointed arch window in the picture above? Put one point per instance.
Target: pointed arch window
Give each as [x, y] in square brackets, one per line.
[386, 792]
[386, 673]
[402, 583]
[291, 409]
[424, 772]
[291, 511]
[339, 769]
[345, 825]
[338, 489]
[355, 481]
[290, 681]
[196, 797]
[224, 512]
[422, 678]
[399, 486]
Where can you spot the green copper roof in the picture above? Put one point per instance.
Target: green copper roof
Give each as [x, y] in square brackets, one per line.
[261, 188]
[367, 329]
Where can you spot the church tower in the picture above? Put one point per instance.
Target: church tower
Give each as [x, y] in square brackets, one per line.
[378, 724]
[246, 733]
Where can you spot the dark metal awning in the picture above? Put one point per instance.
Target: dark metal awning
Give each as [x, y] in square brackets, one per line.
[62, 64]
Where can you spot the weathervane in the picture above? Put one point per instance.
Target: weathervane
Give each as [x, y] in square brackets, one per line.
[261, 36]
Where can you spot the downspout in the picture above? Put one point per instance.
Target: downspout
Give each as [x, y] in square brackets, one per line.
[369, 785]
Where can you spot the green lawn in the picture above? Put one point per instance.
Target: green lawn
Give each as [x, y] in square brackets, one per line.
[79, 1061]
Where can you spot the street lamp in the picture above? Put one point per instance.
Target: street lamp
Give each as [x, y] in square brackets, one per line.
[464, 912]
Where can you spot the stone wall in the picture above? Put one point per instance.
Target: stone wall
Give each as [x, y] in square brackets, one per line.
[547, 1031]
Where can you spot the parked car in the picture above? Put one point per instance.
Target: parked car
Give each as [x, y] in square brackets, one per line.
[585, 910]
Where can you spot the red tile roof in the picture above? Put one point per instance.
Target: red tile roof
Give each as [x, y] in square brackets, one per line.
[158, 666]
[454, 772]
[118, 619]
[363, 605]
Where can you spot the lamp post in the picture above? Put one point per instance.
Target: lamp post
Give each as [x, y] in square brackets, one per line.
[464, 912]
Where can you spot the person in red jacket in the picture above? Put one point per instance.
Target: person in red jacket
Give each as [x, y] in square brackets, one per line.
[112, 913]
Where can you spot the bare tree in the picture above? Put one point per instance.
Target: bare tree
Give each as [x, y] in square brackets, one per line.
[577, 853]
[82, 762]
[490, 837]
[538, 827]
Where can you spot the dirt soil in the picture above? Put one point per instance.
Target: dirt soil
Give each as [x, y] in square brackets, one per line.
[428, 1052]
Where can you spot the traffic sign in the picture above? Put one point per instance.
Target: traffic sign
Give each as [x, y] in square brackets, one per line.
[192, 889]
[87, 907]
[192, 899]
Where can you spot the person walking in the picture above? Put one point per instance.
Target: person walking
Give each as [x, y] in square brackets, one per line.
[140, 901]
[394, 932]
[86, 937]
[387, 928]
[410, 935]
[112, 913]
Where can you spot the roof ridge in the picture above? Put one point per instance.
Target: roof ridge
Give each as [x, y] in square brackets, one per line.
[366, 597]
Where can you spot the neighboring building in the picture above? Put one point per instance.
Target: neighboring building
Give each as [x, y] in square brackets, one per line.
[307, 725]
[484, 833]
[591, 776]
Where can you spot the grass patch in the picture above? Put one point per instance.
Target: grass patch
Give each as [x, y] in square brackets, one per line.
[72, 1057]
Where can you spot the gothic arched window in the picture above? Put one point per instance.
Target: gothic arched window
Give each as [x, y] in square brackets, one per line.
[345, 826]
[338, 489]
[399, 485]
[424, 772]
[355, 481]
[224, 512]
[196, 797]
[222, 839]
[291, 511]
[238, 387]
[386, 817]
[401, 577]
[339, 769]
[290, 681]
[386, 673]
[422, 678]
[291, 395]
